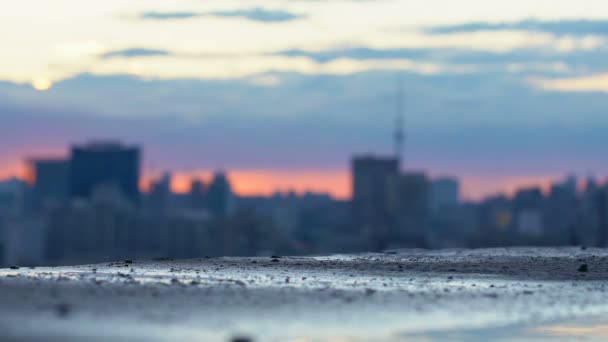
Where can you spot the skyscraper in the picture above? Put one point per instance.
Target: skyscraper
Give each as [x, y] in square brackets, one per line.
[219, 196]
[410, 209]
[160, 193]
[104, 163]
[445, 193]
[372, 177]
[198, 194]
[50, 181]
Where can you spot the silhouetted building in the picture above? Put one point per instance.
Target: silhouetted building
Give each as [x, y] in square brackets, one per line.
[12, 196]
[561, 212]
[602, 216]
[372, 178]
[198, 195]
[445, 193]
[219, 196]
[160, 193]
[410, 202]
[528, 205]
[50, 181]
[96, 164]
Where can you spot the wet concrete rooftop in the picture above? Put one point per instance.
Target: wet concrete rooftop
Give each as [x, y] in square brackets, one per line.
[510, 294]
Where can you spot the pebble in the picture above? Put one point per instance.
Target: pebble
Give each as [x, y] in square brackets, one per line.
[583, 268]
[63, 310]
[242, 339]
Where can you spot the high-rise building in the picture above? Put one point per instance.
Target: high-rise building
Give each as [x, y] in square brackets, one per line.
[411, 209]
[528, 206]
[219, 195]
[50, 181]
[198, 194]
[372, 177]
[103, 163]
[160, 193]
[561, 212]
[445, 193]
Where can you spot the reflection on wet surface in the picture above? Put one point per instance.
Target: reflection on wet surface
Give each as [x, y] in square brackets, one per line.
[594, 328]
[414, 296]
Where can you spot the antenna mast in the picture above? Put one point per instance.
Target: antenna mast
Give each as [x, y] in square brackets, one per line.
[399, 134]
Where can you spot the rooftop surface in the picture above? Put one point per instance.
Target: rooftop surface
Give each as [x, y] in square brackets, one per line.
[521, 294]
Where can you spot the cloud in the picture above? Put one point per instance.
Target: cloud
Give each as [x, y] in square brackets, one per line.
[359, 53]
[169, 15]
[541, 61]
[135, 52]
[257, 14]
[559, 27]
[271, 127]
[593, 83]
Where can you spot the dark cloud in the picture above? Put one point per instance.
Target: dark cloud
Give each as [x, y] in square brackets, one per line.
[257, 14]
[535, 60]
[357, 53]
[169, 15]
[559, 27]
[235, 124]
[135, 52]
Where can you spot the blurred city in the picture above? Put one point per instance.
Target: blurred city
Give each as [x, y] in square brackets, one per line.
[304, 170]
[89, 208]
[295, 127]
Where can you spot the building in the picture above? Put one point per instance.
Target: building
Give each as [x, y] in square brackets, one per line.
[198, 195]
[528, 206]
[50, 181]
[102, 163]
[445, 193]
[372, 178]
[410, 203]
[561, 212]
[160, 193]
[219, 195]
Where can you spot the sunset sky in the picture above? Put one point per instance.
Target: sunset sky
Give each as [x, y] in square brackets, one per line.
[281, 93]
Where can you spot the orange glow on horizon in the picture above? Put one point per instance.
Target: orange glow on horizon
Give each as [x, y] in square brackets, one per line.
[15, 170]
[335, 182]
[479, 187]
[267, 182]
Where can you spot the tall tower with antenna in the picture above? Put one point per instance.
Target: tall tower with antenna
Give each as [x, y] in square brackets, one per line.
[399, 134]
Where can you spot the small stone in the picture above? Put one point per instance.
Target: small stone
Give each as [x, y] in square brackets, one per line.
[14, 267]
[584, 248]
[128, 261]
[275, 257]
[369, 292]
[275, 260]
[242, 339]
[583, 268]
[63, 310]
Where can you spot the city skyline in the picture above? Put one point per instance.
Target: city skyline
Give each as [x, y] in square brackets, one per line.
[337, 184]
[282, 92]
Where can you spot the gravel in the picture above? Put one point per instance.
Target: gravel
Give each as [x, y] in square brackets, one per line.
[469, 295]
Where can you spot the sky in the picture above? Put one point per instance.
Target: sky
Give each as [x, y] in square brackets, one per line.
[281, 93]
